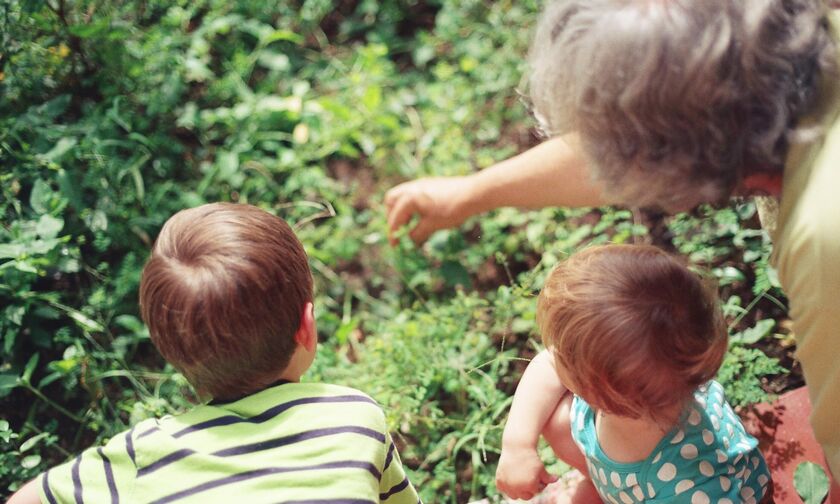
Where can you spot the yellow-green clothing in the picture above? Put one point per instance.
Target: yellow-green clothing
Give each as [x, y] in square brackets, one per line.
[291, 443]
[807, 256]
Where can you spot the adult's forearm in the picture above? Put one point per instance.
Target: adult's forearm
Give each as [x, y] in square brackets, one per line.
[554, 173]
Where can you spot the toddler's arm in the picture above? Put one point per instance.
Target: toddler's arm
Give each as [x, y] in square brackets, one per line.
[521, 473]
[27, 494]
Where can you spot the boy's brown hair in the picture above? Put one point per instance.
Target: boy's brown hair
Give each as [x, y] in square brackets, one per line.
[632, 328]
[223, 293]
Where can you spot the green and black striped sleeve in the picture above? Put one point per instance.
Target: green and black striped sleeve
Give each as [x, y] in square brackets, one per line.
[99, 474]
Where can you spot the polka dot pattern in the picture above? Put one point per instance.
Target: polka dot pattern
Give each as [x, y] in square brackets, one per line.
[699, 497]
[707, 459]
[684, 485]
[667, 472]
[688, 451]
[694, 417]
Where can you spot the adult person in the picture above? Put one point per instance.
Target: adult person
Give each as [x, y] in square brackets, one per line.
[673, 104]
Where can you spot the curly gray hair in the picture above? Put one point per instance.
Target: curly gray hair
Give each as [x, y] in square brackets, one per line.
[676, 101]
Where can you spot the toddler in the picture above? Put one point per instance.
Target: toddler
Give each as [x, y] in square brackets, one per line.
[227, 296]
[624, 390]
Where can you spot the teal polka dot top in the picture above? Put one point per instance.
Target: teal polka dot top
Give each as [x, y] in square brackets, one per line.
[707, 458]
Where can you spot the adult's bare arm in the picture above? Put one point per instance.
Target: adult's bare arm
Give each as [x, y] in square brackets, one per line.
[553, 173]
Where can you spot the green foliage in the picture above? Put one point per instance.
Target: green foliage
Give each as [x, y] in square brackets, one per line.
[811, 483]
[117, 114]
[744, 366]
[19, 459]
[435, 369]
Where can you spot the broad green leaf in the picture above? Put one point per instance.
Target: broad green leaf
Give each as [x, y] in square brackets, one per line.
[752, 335]
[228, 163]
[39, 198]
[345, 329]
[39, 247]
[20, 266]
[29, 443]
[129, 322]
[70, 189]
[97, 220]
[274, 61]
[49, 226]
[8, 381]
[454, 273]
[10, 250]
[60, 149]
[811, 482]
[55, 107]
[30, 461]
[196, 70]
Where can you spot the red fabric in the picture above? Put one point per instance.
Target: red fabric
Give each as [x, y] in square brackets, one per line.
[786, 439]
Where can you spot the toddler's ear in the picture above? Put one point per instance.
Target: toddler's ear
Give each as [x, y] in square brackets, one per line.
[307, 333]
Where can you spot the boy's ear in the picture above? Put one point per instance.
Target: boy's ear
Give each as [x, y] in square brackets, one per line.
[307, 334]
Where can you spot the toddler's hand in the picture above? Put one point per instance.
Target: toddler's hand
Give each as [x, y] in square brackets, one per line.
[521, 474]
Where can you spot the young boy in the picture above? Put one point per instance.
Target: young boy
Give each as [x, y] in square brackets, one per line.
[227, 297]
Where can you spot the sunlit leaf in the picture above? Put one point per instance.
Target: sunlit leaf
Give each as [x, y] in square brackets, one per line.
[811, 483]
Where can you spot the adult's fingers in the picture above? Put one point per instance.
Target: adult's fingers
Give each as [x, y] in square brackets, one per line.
[392, 196]
[421, 231]
[399, 215]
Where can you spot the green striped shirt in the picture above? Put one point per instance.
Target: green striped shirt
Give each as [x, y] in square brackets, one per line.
[291, 443]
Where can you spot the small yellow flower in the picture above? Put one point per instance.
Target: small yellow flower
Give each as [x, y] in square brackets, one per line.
[63, 50]
[301, 133]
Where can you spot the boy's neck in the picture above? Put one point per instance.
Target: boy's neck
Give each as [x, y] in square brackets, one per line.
[300, 362]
